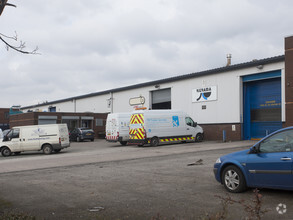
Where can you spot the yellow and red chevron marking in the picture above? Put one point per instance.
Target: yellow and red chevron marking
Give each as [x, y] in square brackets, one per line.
[176, 139]
[137, 133]
[137, 119]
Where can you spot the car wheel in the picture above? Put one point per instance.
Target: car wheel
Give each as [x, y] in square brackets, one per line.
[47, 149]
[199, 137]
[154, 142]
[6, 152]
[233, 179]
[123, 143]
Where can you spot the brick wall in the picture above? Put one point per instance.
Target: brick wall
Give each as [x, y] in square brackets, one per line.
[32, 118]
[4, 118]
[215, 131]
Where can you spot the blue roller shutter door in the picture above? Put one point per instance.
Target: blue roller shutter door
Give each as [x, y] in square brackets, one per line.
[262, 107]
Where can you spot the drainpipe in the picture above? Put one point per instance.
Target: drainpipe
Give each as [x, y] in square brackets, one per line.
[74, 104]
[224, 136]
[111, 98]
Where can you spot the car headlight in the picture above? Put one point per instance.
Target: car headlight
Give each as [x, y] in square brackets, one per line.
[218, 160]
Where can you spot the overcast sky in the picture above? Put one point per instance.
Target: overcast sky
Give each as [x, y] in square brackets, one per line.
[94, 45]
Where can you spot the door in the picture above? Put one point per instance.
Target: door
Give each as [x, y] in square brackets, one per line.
[161, 99]
[14, 141]
[136, 127]
[74, 134]
[190, 127]
[262, 107]
[30, 139]
[272, 165]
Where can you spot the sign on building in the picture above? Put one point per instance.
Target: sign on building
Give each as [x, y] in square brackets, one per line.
[137, 101]
[205, 94]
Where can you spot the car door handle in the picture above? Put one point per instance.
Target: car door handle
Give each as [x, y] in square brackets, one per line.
[286, 158]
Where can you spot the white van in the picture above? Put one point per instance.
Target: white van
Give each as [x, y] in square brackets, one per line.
[48, 138]
[117, 127]
[1, 135]
[163, 126]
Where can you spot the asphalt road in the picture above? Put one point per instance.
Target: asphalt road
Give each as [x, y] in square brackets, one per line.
[100, 180]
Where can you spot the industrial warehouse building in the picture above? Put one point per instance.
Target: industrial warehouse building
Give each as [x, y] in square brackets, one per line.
[243, 101]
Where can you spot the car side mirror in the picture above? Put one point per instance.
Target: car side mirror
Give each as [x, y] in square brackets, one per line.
[254, 149]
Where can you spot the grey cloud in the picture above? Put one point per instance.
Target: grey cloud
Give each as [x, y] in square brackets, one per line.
[91, 45]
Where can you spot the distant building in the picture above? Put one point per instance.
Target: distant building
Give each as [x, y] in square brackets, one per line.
[244, 101]
[4, 118]
[95, 121]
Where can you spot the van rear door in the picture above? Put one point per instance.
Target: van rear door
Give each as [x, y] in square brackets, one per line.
[63, 135]
[112, 128]
[136, 127]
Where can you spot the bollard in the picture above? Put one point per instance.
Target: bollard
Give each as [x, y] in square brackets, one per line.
[224, 136]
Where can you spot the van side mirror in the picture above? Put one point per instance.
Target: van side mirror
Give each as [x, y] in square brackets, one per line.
[194, 124]
[5, 138]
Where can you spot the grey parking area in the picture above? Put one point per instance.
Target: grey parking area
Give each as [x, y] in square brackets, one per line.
[100, 180]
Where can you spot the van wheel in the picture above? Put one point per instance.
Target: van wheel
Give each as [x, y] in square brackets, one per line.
[154, 142]
[47, 149]
[199, 137]
[6, 152]
[123, 143]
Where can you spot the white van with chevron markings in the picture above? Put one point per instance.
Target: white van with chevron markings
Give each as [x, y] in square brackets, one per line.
[155, 127]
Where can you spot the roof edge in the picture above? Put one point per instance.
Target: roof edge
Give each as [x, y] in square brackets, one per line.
[171, 79]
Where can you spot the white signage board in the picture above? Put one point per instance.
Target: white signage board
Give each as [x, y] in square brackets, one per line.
[205, 94]
[137, 101]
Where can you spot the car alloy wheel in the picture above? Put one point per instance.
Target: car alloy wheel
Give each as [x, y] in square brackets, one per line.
[233, 179]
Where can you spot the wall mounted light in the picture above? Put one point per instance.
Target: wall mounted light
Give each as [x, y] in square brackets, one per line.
[260, 67]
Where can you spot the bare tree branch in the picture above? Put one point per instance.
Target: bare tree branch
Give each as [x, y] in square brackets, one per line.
[20, 48]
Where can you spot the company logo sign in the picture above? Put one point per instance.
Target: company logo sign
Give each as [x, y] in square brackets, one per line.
[175, 121]
[205, 94]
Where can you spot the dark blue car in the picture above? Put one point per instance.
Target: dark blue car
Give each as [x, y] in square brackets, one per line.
[268, 164]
